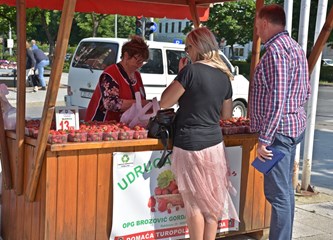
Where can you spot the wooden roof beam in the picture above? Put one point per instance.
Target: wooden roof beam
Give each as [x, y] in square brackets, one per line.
[255, 48]
[21, 96]
[194, 13]
[51, 96]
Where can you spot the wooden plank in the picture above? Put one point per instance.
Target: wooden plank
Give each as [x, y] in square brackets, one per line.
[66, 215]
[27, 225]
[20, 95]
[51, 179]
[41, 198]
[5, 162]
[51, 95]
[104, 194]
[268, 211]
[87, 194]
[36, 223]
[5, 213]
[259, 202]
[20, 217]
[105, 144]
[194, 13]
[247, 186]
[12, 153]
[13, 216]
[255, 51]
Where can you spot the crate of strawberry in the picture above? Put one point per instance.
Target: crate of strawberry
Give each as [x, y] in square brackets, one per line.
[125, 132]
[235, 126]
[56, 137]
[32, 126]
[110, 132]
[140, 132]
[95, 135]
[79, 135]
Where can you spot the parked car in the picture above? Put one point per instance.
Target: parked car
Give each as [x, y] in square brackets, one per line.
[94, 54]
[238, 58]
[327, 62]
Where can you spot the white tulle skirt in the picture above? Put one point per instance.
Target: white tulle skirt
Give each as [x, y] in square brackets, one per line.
[203, 181]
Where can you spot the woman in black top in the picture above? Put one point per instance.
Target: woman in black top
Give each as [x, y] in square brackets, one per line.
[204, 94]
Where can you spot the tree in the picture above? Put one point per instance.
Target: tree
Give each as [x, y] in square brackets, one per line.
[232, 21]
[312, 22]
[90, 22]
[102, 25]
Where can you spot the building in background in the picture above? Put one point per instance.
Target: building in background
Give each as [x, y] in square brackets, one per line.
[170, 30]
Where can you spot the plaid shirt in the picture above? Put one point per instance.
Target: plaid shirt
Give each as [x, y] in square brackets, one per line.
[279, 90]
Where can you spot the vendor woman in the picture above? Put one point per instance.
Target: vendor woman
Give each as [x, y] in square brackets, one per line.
[115, 91]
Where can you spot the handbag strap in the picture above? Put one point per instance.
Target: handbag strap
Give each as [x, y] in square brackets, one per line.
[164, 138]
[123, 72]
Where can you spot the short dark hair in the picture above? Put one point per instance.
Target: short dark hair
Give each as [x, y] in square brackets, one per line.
[136, 46]
[273, 13]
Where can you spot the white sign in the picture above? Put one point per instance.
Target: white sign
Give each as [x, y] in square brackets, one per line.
[141, 211]
[10, 43]
[67, 118]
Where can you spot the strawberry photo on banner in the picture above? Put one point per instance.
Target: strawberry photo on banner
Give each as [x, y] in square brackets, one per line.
[146, 201]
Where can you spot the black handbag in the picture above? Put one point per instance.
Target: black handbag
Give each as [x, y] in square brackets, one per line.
[161, 127]
[33, 80]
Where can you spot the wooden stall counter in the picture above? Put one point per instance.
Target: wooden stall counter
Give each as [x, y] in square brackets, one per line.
[74, 194]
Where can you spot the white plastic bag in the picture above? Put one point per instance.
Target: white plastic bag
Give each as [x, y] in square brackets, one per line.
[138, 115]
[8, 111]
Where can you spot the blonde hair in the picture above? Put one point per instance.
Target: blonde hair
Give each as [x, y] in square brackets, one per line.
[203, 41]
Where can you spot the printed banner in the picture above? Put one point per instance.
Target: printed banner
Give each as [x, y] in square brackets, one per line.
[146, 201]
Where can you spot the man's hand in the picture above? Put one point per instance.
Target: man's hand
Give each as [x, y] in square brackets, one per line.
[263, 153]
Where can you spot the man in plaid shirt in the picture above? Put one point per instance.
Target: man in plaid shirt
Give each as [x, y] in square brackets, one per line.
[279, 91]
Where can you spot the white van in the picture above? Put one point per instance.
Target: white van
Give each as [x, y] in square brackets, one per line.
[94, 54]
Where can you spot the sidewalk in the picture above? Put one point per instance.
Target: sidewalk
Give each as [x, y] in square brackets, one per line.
[35, 100]
[314, 216]
[38, 97]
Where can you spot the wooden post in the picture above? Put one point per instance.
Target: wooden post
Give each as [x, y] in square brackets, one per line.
[322, 39]
[255, 50]
[194, 13]
[7, 176]
[51, 95]
[20, 104]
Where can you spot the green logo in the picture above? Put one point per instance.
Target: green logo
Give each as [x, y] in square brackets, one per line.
[125, 158]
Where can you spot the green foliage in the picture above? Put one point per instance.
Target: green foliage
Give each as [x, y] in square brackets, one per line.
[66, 66]
[7, 18]
[312, 22]
[233, 21]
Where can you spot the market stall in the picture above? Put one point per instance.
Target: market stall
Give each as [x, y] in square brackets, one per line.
[65, 190]
[75, 191]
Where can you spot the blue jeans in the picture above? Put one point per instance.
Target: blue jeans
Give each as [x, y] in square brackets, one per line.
[279, 191]
[40, 66]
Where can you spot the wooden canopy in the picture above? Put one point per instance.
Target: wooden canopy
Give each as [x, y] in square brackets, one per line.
[159, 9]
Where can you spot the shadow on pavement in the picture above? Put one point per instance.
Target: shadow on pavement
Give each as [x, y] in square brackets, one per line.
[322, 159]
